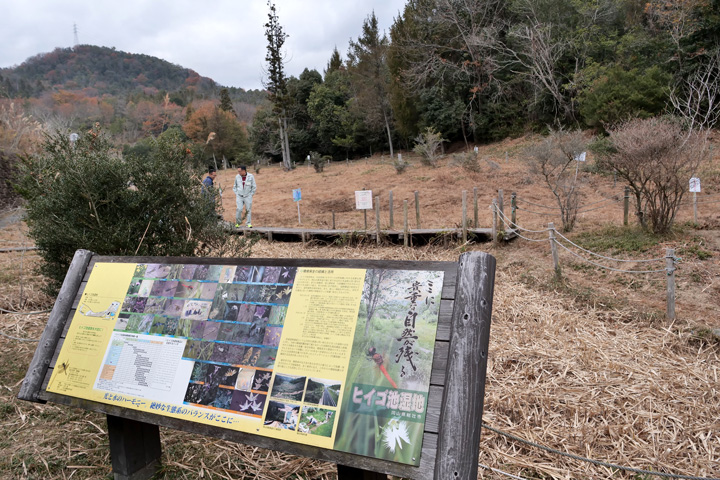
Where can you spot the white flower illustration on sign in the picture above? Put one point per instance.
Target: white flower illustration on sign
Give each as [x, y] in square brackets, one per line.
[394, 433]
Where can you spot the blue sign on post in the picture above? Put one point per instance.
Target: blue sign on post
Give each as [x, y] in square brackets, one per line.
[297, 196]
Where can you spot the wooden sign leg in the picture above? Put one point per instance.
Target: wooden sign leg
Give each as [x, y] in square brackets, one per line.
[352, 473]
[134, 448]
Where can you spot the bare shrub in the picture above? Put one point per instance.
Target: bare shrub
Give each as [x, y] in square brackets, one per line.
[657, 158]
[427, 145]
[554, 159]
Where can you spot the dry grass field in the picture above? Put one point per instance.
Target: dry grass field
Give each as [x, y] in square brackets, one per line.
[587, 364]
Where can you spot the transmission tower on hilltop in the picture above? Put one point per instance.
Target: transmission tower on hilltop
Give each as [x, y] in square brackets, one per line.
[76, 35]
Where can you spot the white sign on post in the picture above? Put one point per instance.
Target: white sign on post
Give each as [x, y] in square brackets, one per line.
[580, 157]
[695, 185]
[363, 200]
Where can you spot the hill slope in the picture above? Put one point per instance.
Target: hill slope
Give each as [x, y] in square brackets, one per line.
[107, 71]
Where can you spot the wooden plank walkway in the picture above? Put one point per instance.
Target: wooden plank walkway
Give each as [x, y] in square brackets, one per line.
[416, 235]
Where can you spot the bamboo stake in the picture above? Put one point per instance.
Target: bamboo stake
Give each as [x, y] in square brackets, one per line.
[553, 248]
[417, 208]
[464, 216]
[475, 207]
[377, 218]
[390, 201]
[670, 263]
[406, 239]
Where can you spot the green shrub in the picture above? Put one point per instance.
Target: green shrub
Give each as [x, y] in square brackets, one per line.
[88, 196]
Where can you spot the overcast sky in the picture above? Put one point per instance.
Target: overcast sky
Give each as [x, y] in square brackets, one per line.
[220, 39]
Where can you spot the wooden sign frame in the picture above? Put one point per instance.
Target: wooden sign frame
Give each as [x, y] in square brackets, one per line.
[455, 403]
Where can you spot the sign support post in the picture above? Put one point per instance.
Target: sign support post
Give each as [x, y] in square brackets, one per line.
[297, 196]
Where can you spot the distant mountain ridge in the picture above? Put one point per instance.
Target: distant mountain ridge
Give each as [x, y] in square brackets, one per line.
[106, 71]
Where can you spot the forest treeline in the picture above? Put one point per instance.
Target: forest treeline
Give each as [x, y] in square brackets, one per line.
[133, 96]
[478, 71]
[472, 71]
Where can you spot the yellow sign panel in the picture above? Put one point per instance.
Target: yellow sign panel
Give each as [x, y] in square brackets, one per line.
[298, 354]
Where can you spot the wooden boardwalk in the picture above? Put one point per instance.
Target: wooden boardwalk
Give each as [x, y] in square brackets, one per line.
[416, 236]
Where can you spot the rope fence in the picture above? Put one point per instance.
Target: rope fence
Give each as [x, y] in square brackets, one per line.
[706, 199]
[557, 239]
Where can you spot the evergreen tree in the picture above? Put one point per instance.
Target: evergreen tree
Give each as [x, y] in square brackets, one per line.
[335, 63]
[276, 83]
[367, 64]
[225, 102]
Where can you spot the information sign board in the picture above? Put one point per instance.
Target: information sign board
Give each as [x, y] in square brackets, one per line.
[297, 195]
[293, 353]
[363, 200]
[694, 185]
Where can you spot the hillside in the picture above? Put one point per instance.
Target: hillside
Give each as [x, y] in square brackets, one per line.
[100, 71]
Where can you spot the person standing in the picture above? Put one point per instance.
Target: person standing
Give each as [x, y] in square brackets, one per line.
[209, 181]
[244, 188]
[208, 190]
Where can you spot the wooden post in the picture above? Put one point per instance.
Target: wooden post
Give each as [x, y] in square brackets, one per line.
[494, 221]
[553, 249]
[670, 264]
[333, 220]
[467, 365]
[464, 216]
[513, 212]
[377, 218]
[475, 208]
[417, 208]
[56, 323]
[134, 448]
[406, 236]
[501, 210]
[695, 207]
[626, 207]
[365, 217]
[390, 206]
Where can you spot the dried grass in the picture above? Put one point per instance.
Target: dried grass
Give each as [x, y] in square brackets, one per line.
[603, 380]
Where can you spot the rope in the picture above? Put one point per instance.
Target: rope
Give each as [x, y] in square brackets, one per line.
[605, 266]
[19, 339]
[589, 210]
[607, 258]
[595, 462]
[24, 313]
[536, 204]
[503, 217]
[530, 239]
[600, 201]
[539, 213]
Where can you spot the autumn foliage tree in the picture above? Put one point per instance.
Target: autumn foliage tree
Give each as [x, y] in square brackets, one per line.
[229, 140]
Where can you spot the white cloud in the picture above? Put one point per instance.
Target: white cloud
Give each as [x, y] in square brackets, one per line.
[221, 39]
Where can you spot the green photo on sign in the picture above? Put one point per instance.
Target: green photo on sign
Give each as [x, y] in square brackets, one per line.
[385, 394]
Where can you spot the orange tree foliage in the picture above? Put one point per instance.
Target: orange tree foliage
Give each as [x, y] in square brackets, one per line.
[230, 139]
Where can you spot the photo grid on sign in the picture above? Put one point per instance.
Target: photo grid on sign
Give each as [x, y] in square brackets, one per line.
[231, 318]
